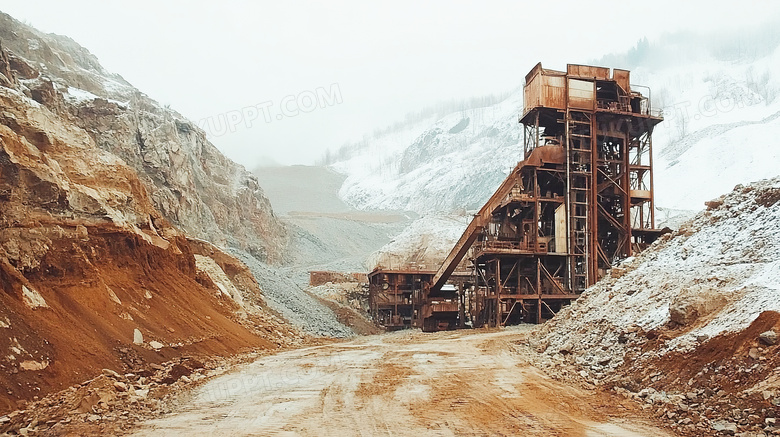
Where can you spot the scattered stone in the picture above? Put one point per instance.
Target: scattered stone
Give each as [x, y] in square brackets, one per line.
[156, 344]
[32, 298]
[617, 272]
[138, 338]
[768, 337]
[713, 204]
[753, 353]
[567, 348]
[176, 372]
[728, 428]
[110, 373]
[120, 386]
[539, 346]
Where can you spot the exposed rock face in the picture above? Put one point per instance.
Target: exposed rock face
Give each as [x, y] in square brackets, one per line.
[98, 187]
[188, 180]
[86, 259]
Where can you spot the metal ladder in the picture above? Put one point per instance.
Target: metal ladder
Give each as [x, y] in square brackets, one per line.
[579, 140]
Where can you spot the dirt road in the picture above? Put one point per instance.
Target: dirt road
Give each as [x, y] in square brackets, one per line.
[409, 383]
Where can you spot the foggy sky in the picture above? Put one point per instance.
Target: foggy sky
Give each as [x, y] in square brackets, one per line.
[295, 78]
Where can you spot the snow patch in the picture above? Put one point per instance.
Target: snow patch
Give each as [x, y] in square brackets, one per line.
[78, 95]
[424, 243]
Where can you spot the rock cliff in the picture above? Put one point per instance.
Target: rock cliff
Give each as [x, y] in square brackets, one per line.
[189, 181]
[101, 193]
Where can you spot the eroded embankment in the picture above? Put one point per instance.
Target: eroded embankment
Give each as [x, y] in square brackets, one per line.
[76, 313]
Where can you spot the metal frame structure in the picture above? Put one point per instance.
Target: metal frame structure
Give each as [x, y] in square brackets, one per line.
[399, 299]
[581, 199]
[395, 297]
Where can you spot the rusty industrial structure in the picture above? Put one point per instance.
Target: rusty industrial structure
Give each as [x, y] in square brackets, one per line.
[580, 200]
[322, 277]
[401, 299]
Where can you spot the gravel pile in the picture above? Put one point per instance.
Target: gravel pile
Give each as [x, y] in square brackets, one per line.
[689, 326]
[286, 297]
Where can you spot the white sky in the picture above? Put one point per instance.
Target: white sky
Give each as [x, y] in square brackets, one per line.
[387, 58]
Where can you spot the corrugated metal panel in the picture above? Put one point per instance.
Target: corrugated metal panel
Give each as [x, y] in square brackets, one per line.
[554, 92]
[534, 71]
[623, 78]
[588, 71]
[532, 93]
[641, 194]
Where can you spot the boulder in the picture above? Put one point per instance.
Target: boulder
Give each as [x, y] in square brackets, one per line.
[175, 373]
[727, 428]
[138, 338]
[110, 373]
[695, 302]
[156, 344]
[768, 337]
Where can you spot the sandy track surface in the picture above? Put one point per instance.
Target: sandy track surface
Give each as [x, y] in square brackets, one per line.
[409, 383]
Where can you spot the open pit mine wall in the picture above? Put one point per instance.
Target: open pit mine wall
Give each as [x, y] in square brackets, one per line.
[193, 185]
[100, 189]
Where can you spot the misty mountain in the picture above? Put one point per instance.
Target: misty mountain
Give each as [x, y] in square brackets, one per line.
[721, 110]
[718, 94]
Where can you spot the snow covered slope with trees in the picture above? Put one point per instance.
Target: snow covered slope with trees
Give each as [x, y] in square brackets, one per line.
[444, 165]
[721, 108]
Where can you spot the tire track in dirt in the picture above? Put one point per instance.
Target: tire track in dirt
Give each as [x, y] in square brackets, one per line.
[444, 384]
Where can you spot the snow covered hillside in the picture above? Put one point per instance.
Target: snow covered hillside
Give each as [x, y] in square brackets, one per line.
[722, 118]
[721, 127]
[720, 100]
[717, 273]
[690, 325]
[424, 243]
[452, 164]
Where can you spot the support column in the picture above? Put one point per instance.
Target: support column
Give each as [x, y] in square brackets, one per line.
[538, 291]
[499, 289]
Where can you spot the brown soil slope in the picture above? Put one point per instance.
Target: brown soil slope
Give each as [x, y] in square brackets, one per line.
[93, 303]
[86, 258]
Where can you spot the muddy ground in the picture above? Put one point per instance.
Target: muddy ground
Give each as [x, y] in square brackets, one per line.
[452, 383]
